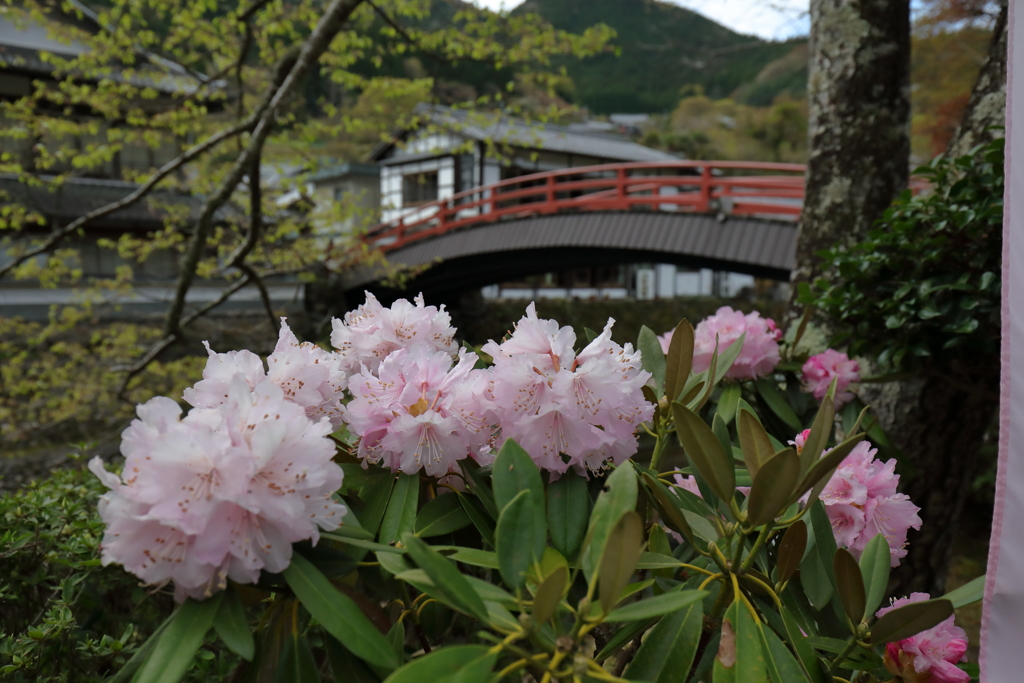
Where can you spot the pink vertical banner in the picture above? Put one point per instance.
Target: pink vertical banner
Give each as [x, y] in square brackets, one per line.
[1002, 625]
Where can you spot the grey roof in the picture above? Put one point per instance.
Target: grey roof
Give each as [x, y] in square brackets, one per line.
[341, 170]
[23, 38]
[744, 245]
[78, 196]
[548, 137]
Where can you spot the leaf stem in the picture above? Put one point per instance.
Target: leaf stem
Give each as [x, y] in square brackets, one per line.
[850, 645]
[762, 538]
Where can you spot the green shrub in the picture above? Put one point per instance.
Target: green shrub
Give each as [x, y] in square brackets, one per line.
[63, 616]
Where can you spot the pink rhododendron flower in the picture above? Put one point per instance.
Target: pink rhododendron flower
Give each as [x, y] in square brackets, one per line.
[760, 353]
[221, 493]
[930, 656]
[819, 371]
[689, 483]
[309, 375]
[799, 441]
[418, 412]
[566, 409]
[368, 334]
[862, 502]
[665, 340]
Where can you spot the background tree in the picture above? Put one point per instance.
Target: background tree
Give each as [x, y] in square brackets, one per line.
[859, 102]
[237, 89]
[945, 290]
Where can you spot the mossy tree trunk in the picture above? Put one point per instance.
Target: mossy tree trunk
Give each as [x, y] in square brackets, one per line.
[859, 143]
[941, 420]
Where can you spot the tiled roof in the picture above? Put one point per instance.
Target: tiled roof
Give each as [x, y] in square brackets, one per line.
[546, 137]
[78, 196]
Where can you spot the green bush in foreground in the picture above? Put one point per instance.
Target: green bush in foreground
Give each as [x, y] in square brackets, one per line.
[63, 617]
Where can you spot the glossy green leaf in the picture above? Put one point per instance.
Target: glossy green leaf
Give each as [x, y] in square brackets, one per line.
[376, 497]
[656, 606]
[773, 486]
[446, 577]
[820, 432]
[782, 665]
[807, 659]
[652, 358]
[477, 514]
[727, 357]
[705, 452]
[173, 652]
[668, 507]
[824, 541]
[679, 360]
[754, 441]
[443, 664]
[345, 666]
[778, 404]
[233, 626]
[516, 539]
[625, 633]
[721, 431]
[490, 593]
[727, 658]
[909, 620]
[709, 382]
[815, 580]
[400, 516]
[969, 593]
[296, 664]
[479, 486]
[621, 553]
[338, 614]
[667, 652]
[568, 512]
[514, 471]
[443, 515]
[396, 637]
[356, 477]
[653, 560]
[549, 594]
[791, 550]
[874, 567]
[393, 563]
[618, 497]
[850, 585]
[729, 401]
[475, 557]
[751, 658]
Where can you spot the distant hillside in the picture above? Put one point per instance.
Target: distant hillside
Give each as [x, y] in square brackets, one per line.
[664, 48]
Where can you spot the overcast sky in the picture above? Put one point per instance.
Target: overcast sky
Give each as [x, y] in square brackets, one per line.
[765, 18]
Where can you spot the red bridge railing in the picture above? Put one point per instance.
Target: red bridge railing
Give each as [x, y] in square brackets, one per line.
[759, 189]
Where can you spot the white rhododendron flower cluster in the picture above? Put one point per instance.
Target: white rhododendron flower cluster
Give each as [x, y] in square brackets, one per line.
[370, 333]
[224, 491]
[555, 403]
[221, 493]
[418, 412]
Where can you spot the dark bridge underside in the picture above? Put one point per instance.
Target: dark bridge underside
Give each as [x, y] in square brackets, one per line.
[513, 249]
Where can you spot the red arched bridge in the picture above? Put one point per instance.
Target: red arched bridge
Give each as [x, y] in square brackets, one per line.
[725, 215]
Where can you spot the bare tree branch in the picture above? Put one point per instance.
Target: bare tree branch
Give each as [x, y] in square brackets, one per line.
[326, 29]
[254, 277]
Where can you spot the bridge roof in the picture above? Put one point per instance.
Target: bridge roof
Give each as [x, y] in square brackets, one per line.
[539, 136]
[505, 250]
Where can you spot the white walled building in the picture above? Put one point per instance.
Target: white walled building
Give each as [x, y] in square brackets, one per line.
[455, 150]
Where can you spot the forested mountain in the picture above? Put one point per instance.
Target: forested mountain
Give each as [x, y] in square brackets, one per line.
[662, 49]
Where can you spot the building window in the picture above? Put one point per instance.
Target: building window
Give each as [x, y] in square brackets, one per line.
[339, 192]
[419, 188]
